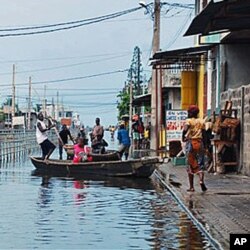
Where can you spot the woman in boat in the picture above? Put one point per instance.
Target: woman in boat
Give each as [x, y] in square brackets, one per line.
[42, 138]
[81, 152]
[193, 135]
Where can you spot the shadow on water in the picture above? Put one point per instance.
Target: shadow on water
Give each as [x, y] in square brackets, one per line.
[136, 183]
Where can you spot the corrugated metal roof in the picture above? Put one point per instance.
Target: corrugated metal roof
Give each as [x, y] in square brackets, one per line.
[183, 59]
[232, 15]
[145, 100]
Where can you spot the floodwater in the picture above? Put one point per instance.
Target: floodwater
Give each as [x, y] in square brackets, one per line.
[42, 212]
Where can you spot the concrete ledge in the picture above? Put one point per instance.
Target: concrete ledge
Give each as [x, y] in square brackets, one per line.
[222, 210]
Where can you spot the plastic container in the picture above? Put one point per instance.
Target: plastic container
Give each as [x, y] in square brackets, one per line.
[178, 161]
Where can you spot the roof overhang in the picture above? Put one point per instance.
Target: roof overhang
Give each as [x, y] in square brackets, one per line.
[187, 58]
[236, 37]
[145, 100]
[229, 15]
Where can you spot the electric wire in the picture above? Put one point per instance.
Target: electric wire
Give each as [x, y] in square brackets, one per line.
[73, 22]
[65, 66]
[177, 34]
[76, 25]
[82, 22]
[69, 79]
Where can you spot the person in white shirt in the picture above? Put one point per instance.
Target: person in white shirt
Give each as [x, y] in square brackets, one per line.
[42, 138]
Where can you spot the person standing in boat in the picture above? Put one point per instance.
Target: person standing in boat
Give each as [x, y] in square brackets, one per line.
[82, 134]
[64, 134]
[42, 138]
[98, 131]
[98, 144]
[124, 141]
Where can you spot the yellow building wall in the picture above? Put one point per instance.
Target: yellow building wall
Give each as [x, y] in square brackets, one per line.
[192, 89]
[188, 89]
[200, 90]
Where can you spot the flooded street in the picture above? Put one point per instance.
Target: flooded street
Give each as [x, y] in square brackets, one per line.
[42, 212]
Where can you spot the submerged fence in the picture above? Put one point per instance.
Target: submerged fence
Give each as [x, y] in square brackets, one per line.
[16, 143]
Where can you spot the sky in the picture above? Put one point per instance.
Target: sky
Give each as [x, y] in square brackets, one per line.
[96, 56]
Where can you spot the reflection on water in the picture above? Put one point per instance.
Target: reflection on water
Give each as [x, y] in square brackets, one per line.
[90, 213]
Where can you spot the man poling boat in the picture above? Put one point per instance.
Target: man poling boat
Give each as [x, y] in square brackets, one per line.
[42, 137]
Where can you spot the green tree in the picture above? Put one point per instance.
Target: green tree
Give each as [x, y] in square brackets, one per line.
[123, 103]
[37, 107]
[135, 77]
[8, 102]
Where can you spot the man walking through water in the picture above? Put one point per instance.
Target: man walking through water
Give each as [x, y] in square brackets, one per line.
[42, 138]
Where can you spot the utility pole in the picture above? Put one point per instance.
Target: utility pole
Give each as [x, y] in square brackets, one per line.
[13, 95]
[130, 114]
[130, 107]
[44, 102]
[53, 108]
[57, 105]
[155, 85]
[29, 104]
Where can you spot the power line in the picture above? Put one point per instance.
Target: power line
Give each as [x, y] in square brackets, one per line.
[83, 89]
[179, 5]
[70, 79]
[82, 22]
[60, 58]
[105, 94]
[179, 31]
[65, 66]
[75, 24]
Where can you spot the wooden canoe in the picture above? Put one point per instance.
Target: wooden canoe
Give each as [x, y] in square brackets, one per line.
[110, 155]
[143, 167]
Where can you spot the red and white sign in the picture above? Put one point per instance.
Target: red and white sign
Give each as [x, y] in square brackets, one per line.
[175, 121]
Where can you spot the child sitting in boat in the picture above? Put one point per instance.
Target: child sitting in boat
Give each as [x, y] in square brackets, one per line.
[81, 152]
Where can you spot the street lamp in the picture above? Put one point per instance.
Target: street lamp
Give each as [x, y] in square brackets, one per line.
[143, 4]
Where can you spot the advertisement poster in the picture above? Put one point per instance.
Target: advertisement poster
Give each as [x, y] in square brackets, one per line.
[18, 120]
[175, 120]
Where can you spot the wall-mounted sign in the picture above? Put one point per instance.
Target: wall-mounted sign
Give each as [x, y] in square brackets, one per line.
[175, 121]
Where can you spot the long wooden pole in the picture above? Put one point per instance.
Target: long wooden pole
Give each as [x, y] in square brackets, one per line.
[154, 105]
[130, 108]
[44, 101]
[29, 104]
[13, 96]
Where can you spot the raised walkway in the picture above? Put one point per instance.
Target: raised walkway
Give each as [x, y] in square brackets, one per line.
[223, 209]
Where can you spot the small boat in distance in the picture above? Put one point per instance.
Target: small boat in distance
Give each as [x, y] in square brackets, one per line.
[141, 168]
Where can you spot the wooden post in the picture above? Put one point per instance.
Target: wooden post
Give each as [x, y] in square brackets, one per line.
[13, 96]
[154, 92]
[29, 105]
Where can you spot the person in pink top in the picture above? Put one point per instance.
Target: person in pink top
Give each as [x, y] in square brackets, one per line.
[81, 152]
